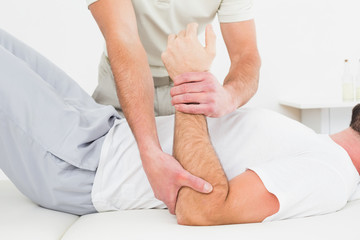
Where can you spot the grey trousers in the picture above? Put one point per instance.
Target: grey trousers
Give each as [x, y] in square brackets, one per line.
[51, 131]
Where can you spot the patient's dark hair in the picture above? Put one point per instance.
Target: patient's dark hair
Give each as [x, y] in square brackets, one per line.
[355, 119]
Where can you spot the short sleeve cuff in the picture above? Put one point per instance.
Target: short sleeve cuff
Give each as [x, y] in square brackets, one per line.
[236, 11]
[229, 19]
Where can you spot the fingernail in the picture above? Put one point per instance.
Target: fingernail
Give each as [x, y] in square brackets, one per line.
[208, 188]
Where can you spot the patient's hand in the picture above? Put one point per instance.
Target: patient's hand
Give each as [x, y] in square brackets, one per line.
[185, 53]
[196, 90]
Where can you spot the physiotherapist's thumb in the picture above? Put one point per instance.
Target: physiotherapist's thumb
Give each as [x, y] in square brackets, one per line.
[210, 39]
[197, 184]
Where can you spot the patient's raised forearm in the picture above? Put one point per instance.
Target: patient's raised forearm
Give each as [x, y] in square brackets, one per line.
[193, 149]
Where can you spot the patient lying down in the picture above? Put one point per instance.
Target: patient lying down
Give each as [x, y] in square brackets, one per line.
[298, 173]
[262, 166]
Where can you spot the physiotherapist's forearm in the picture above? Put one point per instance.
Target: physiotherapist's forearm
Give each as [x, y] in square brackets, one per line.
[243, 77]
[128, 60]
[135, 86]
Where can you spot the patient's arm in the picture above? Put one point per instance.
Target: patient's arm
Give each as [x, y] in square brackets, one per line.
[243, 199]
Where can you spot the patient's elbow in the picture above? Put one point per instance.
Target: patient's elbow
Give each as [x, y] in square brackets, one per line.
[202, 210]
[197, 218]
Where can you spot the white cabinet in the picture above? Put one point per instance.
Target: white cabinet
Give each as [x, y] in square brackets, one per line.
[323, 117]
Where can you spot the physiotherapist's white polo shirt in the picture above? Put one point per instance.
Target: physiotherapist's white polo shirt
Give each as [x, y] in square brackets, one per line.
[156, 19]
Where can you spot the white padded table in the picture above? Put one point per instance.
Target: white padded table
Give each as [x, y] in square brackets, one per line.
[21, 219]
[159, 224]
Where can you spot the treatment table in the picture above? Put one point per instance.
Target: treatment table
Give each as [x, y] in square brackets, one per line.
[22, 219]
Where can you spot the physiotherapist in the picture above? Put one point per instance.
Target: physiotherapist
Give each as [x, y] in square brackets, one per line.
[131, 73]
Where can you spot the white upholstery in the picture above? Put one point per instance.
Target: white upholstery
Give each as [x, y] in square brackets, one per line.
[159, 224]
[21, 219]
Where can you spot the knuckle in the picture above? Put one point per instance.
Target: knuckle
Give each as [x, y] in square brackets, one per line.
[208, 75]
[211, 87]
[207, 80]
[211, 99]
[210, 108]
[180, 176]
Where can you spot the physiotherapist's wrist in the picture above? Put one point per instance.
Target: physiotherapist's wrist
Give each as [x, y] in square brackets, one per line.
[234, 99]
[148, 150]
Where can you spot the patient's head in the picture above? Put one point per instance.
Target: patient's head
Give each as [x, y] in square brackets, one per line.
[355, 119]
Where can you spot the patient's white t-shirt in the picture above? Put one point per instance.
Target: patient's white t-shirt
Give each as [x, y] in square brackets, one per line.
[309, 173]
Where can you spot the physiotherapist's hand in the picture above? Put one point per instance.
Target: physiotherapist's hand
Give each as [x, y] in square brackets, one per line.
[201, 93]
[167, 176]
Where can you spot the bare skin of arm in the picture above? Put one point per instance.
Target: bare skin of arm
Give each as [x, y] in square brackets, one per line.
[127, 55]
[244, 198]
[135, 89]
[243, 77]
[241, 83]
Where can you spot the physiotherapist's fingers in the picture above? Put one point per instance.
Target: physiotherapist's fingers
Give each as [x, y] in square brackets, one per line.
[210, 39]
[189, 77]
[196, 183]
[204, 109]
[172, 210]
[194, 87]
[181, 34]
[171, 205]
[192, 29]
[195, 98]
